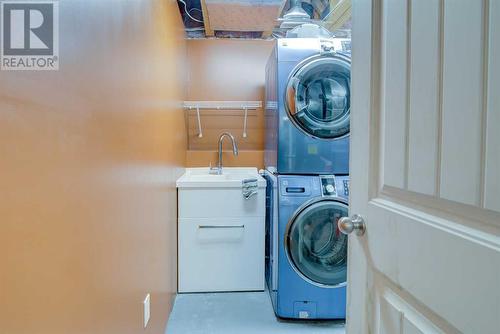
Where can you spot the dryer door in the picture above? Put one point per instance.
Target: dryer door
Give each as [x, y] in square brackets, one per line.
[318, 96]
[316, 249]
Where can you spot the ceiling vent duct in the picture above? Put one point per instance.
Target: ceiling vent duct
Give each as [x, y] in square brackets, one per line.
[295, 16]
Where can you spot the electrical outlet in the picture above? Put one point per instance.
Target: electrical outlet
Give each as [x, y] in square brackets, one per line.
[147, 309]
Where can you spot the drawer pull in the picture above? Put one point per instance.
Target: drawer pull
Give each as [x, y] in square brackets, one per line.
[221, 226]
[295, 190]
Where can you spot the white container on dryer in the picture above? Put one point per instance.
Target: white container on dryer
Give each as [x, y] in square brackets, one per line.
[221, 234]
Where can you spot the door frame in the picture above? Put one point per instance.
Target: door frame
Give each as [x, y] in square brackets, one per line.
[363, 180]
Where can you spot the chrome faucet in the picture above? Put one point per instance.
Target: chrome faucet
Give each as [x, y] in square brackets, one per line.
[218, 170]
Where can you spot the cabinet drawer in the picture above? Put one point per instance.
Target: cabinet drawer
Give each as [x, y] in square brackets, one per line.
[223, 202]
[221, 254]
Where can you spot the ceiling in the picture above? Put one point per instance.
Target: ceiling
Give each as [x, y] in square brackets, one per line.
[256, 18]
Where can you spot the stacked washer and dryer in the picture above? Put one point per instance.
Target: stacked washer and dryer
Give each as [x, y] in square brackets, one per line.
[307, 171]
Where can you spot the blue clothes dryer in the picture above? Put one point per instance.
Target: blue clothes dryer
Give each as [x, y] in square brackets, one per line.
[308, 89]
[306, 255]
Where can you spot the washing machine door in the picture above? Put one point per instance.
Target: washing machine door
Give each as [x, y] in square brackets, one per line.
[316, 249]
[318, 96]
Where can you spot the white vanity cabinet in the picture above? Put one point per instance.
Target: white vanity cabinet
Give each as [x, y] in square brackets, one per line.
[220, 233]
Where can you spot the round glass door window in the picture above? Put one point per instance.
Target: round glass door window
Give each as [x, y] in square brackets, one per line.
[318, 96]
[316, 248]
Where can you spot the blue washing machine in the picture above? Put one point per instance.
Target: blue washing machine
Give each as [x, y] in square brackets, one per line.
[306, 254]
[308, 88]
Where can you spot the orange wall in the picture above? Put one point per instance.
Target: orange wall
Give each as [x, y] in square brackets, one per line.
[89, 155]
[227, 70]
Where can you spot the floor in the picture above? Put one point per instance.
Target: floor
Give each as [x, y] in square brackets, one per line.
[237, 313]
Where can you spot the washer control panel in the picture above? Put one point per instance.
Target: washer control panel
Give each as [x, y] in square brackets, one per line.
[345, 183]
[328, 187]
[342, 185]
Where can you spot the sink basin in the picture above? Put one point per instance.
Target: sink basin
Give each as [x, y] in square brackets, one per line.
[231, 177]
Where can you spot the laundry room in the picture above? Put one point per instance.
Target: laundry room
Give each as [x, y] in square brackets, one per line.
[249, 166]
[268, 110]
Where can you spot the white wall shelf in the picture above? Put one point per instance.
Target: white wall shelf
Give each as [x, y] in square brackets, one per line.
[222, 105]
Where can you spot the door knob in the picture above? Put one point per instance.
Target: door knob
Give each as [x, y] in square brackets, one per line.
[355, 223]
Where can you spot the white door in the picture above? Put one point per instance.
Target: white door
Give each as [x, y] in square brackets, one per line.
[425, 167]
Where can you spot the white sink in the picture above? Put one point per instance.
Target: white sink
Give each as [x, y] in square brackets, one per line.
[231, 177]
